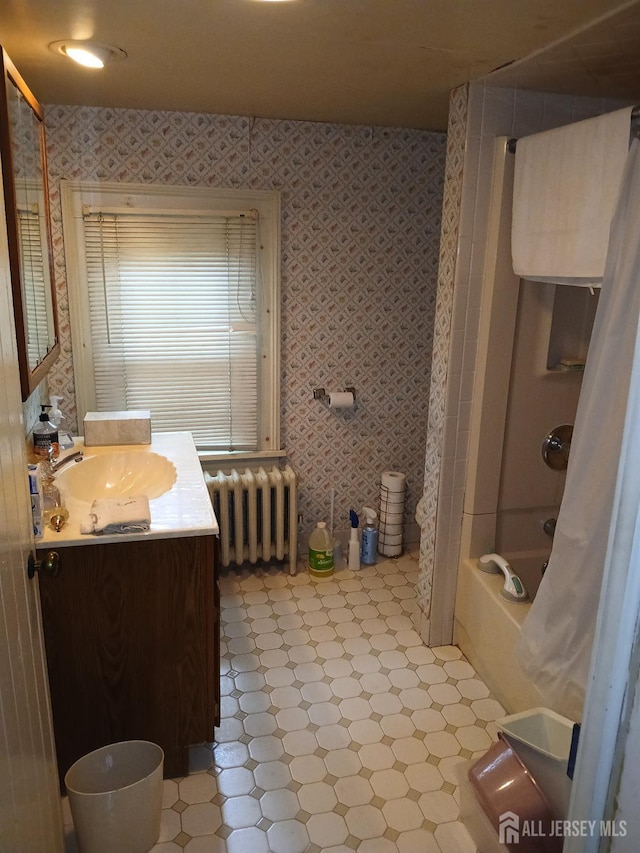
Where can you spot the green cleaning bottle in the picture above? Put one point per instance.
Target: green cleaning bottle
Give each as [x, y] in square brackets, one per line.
[321, 552]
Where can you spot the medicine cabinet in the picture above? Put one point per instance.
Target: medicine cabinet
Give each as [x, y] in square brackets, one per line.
[26, 201]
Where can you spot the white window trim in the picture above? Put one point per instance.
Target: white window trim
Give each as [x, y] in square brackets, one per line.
[77, 195]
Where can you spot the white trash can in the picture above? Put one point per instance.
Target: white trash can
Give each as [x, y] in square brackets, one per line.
[115, 795]
[542, 739]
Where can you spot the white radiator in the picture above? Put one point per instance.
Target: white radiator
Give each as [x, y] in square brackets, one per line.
[257, 513]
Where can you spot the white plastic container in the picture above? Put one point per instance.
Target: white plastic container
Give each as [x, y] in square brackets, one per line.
[115, 795]
[354, 550]
[542, 740]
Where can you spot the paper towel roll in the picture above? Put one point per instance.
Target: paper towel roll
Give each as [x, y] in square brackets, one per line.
[340, 400]
[394, 481]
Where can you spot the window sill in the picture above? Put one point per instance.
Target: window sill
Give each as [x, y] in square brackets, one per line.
[212, 460]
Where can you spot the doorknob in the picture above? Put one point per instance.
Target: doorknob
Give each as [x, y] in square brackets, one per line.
[49, 566]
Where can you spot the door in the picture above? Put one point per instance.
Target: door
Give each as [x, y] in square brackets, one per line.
[30, 809]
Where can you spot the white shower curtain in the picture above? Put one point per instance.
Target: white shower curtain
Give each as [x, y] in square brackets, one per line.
[557, 635]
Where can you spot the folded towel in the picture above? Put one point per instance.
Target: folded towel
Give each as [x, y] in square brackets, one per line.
[118, 515]
[566, 184]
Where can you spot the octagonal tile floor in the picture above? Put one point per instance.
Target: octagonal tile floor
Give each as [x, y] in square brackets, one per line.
[340, 730]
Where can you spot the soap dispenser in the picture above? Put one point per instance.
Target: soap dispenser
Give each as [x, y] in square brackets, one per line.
[56, 417]
[45, 436]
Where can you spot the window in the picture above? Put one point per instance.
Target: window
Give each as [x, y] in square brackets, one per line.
[174, 300]
[36, 288]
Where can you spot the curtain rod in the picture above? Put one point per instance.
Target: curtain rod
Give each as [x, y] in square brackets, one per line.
[635, 126]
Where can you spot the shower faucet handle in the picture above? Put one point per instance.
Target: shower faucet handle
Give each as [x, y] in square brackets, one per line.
[556, 447]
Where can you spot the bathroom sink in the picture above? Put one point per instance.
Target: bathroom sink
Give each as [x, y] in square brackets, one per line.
[118, 474]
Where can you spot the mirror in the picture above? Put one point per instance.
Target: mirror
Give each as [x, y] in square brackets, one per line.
[26, 198]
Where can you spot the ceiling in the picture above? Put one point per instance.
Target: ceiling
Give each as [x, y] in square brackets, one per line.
[602, 61]
[373, 62]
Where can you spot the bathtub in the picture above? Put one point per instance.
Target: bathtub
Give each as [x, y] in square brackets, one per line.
[486, 628]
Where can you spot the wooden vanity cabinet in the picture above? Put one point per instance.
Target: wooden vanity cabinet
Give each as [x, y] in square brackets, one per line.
[132, 641]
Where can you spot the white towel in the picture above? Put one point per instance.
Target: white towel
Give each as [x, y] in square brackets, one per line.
[566, 184]
[118, 515]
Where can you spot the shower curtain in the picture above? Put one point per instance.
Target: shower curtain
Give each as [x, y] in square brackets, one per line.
[556, 639]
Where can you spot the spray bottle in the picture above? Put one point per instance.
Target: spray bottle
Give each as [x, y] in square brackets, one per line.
[369, 544]
[354, 545]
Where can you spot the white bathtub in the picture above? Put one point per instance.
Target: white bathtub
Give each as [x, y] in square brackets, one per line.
[486, 628]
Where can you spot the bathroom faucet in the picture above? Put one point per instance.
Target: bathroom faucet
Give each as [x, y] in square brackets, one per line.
[72, 457]
[513, 589]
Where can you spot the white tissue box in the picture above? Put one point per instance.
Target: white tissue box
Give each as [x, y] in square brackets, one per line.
[106, 428]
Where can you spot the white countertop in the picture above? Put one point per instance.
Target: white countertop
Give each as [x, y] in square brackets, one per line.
[184, 510]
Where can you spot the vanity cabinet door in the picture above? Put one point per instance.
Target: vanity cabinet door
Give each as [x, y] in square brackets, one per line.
[131, 634]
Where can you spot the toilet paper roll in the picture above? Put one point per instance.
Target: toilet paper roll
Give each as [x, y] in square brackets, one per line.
[340, 400]
[390, 539]
[391, 519]
[391, 501]
[394, 481]
[390, 529]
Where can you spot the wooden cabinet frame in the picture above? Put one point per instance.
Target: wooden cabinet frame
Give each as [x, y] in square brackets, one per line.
[132, 642]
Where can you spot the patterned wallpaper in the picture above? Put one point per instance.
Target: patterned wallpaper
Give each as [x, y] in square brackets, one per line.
[361, 209]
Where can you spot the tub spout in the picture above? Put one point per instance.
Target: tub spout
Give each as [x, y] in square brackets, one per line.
[513, 589]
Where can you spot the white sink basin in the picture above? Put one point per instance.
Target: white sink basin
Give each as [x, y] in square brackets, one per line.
[117, 474]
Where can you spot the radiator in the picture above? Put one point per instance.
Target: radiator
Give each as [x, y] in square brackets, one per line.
[257, 513]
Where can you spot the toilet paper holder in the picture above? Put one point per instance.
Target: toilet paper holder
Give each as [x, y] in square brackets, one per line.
[321, 394]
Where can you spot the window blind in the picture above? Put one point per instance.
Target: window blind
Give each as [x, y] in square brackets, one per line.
[34, 284]
[173, 300]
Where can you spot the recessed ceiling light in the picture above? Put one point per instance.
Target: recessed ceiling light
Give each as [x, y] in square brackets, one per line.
[87, 53]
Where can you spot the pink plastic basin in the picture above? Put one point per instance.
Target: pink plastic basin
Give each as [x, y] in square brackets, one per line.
[503, 785]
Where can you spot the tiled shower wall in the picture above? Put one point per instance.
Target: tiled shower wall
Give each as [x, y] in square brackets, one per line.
[361, 210]
[438, 483]
[478, 114]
